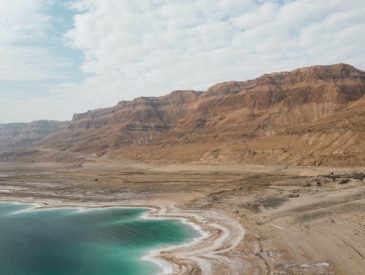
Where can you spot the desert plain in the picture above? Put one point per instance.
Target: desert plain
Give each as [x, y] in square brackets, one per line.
[257, 219]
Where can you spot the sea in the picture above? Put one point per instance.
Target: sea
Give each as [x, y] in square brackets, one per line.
[104, 241]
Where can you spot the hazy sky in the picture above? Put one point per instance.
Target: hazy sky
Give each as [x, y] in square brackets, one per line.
[61, 57]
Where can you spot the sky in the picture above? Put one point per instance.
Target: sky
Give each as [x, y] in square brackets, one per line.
[59, 57]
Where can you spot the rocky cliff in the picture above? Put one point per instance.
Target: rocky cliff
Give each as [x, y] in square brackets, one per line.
[309, 116]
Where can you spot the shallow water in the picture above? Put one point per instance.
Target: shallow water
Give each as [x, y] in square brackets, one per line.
[107, 241]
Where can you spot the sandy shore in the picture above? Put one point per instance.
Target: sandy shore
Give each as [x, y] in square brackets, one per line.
[255, 219]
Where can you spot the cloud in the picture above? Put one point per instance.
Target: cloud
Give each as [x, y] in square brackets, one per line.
[36, 108]
[24, 25]
[135, 48]
[21, 20]
[150, 47]
[28, 64]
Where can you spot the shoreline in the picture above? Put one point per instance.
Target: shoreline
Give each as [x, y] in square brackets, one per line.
[295, 219]
[171, 259]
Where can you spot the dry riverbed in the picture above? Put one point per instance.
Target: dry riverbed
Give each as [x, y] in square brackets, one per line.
[257, 219]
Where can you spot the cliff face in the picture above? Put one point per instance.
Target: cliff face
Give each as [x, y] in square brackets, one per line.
[309, 116]
[140, 121]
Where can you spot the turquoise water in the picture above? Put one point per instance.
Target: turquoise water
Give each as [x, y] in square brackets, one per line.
[109, 241]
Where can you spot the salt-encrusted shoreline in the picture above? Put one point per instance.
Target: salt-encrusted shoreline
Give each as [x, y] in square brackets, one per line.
[195, 257]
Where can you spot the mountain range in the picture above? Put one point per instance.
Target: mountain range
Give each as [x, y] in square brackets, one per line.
[309, 116]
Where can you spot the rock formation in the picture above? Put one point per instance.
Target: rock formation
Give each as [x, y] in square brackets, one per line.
[309, 116]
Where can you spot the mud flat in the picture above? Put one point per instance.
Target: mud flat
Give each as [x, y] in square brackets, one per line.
[255, 219]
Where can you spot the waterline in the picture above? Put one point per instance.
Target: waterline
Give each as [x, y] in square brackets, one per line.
[84, 241]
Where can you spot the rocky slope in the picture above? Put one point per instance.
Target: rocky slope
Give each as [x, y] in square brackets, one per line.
[309, 116]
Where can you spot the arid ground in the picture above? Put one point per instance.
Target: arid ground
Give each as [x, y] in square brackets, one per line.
[259, 219]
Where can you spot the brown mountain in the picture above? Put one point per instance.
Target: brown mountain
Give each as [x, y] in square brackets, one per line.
[309, 116]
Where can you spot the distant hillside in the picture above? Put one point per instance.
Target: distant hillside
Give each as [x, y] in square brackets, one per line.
[309, 116]
[23, 135]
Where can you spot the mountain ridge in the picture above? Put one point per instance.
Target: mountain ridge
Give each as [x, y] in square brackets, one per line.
[309, 116]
